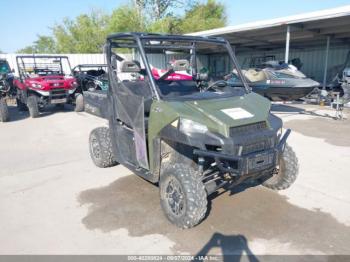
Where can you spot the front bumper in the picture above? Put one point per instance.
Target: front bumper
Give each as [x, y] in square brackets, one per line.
[247, 164]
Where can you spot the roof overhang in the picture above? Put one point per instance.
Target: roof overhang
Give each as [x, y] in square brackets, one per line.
[306, 30]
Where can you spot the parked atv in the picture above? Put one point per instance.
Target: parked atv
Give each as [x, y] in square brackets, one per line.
[6, 89]
[191, 137]
[91, 77]
[44, 80]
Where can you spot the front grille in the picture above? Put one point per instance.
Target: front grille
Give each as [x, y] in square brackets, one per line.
[58, 93]
[56, 84]
[256, 146]
[246, 129]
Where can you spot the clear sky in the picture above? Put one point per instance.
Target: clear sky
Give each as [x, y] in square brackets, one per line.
[22, 20]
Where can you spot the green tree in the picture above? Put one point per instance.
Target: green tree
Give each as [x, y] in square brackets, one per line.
[169, 24]
[201, 17]
[126, 19]
[197, 17]
[44, 45]
[85, 34]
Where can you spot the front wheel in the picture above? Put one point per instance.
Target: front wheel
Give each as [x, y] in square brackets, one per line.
[183, 196]
[33, 106]
[287, 173]
[101, 148]
[4, 112]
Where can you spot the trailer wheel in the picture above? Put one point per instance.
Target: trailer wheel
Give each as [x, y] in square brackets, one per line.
[79, 103]
[101, 148]
[21, 106]
[182, 195]
[33, 106]
[288, 171]
[4, 112]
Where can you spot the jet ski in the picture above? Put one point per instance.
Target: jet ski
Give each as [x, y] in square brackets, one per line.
[276, 81]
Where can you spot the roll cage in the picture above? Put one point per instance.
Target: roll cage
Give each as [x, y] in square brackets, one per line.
[80, 67]
[142, 40]
[36, 66]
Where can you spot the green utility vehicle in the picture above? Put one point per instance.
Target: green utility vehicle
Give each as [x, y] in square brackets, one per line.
[176, 122]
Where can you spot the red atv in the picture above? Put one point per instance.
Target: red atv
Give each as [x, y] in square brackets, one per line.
[45, 80]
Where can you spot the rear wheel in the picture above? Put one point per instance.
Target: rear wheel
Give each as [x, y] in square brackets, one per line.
[101, 148]
[33, 106]
[79, 103]
[182, 195]
[4, 113]
[287, 173]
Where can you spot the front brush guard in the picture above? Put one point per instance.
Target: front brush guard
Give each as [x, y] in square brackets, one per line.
[254, 162]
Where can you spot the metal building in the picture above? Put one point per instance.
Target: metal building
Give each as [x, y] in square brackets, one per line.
[320, 39]
[74, 59]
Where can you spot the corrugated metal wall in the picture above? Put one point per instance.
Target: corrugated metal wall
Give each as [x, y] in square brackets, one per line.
[74, 59]
[313, 59]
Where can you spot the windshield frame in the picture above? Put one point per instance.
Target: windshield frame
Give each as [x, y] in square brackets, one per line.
[139, 42]
[21, 63]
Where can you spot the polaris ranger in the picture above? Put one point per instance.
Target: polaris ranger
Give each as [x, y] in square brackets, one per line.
[44, 80]
[193, 136]
[6, 89]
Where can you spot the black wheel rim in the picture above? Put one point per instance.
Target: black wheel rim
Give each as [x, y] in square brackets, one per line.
[95, 148]
[175, 197]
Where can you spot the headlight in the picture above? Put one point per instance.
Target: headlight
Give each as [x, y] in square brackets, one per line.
[36, 85]
[189, 126]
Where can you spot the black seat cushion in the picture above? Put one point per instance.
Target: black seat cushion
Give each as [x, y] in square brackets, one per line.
[177, 88]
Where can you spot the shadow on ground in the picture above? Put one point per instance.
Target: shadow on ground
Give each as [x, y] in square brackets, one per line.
[232, 247]
[254, 213]
[280, 108]
[290, 109]
[333, 132]
[16, 115]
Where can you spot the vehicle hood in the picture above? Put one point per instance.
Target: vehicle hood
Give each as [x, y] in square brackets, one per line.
[51, 82]
[47, 78]
[221, 114]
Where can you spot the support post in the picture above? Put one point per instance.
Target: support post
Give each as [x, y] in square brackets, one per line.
[286, 56]
[326, 64]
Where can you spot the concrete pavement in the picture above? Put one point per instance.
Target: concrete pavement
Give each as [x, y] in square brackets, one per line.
[53, 200]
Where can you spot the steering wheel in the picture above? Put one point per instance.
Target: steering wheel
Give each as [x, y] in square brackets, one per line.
[218, 84]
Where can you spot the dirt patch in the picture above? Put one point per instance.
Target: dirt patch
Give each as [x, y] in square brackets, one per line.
[335, 132]
[132, 203]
